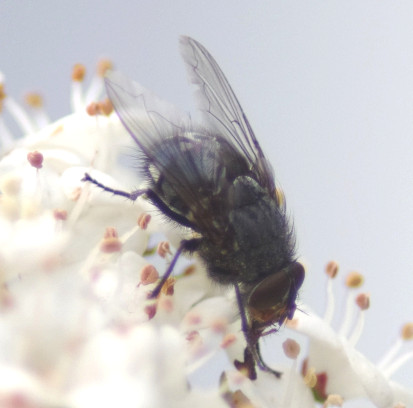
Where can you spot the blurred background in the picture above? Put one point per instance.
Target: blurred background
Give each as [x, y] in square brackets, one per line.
[327, 87]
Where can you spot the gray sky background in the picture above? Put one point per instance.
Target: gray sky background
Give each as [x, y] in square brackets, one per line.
[327, 87]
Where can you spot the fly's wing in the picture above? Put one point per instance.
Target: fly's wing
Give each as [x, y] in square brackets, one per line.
[166, 139]
[222, 109]
[147, 118]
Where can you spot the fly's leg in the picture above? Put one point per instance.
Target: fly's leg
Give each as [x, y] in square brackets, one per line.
[186, 245]
[252, 353]
[150, 195]
[131, 196]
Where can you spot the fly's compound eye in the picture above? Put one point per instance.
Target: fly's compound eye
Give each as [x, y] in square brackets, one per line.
[278, 291]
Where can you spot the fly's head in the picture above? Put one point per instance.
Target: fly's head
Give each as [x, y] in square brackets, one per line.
[272, 300]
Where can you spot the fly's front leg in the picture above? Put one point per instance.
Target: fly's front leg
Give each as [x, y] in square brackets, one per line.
[131, 196]
[186, 245]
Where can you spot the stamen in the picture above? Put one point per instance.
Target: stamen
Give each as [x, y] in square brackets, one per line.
[194, 338]
[392, 368]
[348, 315]
[407, 331]
[150, 311]
[106, 107]
[111, 242]
[19, 115]
[331, 271]
[80, 200]
[85, 270]
[168, 287]
[35, 159]
[310, 378]
[238, 399]
[2, 93]
[93, 109]
[353, 280]
[165, 304]
[6, 135]
[103, 66]
[193, 319]
[228, 340]
[60, 215]
[291, 350]
[333, 400]
[363, 302]
[189, 270]
[219, 325]
[7, 139]
[35, 101]
[148, 275]
[384, 362]
[78, 75]
[96, 87]
[143, 220]
[406, 335]
[163, 249]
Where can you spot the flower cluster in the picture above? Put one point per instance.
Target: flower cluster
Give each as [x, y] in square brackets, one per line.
[76, 265]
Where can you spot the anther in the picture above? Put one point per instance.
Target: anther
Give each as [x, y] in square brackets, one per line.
[354, 280]
[143, 221]
[60, 215]
[363, 301]
[102, 66]
[78, 73]
[34, 100]
[407, 331]
[333, 400]
[35, 159]
[163, 249]
[291, 348]
[332, 269]
[148, 275]
[110, 243]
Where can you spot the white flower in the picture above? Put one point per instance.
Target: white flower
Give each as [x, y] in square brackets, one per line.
[334, 366]
[76, 327]
[77, 264]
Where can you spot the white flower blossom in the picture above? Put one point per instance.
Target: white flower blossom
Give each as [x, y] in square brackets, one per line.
[76, 326]
[335, 363]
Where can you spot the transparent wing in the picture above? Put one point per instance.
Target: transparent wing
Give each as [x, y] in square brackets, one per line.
[148, 119]
[159, 129]
[222, 110]
[183, 162]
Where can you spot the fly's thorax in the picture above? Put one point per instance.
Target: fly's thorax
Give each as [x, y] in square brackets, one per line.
[192, 173]
[256, 239]
[261, 232]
